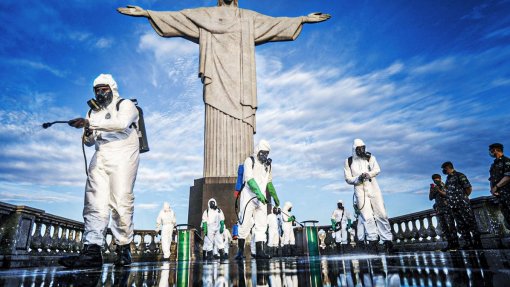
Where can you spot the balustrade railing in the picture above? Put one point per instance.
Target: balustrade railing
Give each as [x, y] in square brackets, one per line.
[31, 237]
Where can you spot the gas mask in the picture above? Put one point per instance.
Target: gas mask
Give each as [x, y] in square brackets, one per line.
[437, 181]
[492, 154]
[263, 156]
[444, 171]
[276, 210]
[212, 205]
[340, 206]
[362, 153]
[290, 209]
[104, 97]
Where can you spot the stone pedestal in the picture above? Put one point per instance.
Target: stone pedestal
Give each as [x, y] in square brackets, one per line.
[220, 188]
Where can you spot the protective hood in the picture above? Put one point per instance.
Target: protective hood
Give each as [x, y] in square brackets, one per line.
[341, 201]
[107, 79]
[209, 203]
[357, 143]
[287, 206]
[263, 145]
[166, 207]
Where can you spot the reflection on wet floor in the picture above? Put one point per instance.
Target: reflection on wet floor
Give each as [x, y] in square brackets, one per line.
[473, 268]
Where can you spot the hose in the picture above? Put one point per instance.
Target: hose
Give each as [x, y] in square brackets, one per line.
[302, 225]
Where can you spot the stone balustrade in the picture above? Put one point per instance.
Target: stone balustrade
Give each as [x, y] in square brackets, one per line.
[31, 237]
[420, 231]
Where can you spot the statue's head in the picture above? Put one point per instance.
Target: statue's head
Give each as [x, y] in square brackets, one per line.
[228, 2]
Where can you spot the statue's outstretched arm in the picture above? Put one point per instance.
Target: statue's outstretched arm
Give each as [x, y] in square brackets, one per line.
[134, 11]
[316, 17]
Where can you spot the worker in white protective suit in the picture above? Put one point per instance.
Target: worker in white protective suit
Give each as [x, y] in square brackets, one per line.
[111, 127]
[341, 222]
[166, 223]
[273, 231]
[213, 226]
[289, 221]
[257, 178]
[361, 170]
[227, 240]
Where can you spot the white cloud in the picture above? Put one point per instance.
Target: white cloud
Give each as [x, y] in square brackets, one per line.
[164, 49]
[103, 43]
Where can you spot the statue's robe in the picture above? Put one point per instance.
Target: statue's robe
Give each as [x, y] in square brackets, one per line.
[227, 37]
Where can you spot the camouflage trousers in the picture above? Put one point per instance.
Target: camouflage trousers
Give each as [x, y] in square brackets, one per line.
[504, 204]
[466, 222]
[447, 225]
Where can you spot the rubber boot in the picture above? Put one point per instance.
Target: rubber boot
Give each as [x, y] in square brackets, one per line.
[240, 249]
[293, 250]
[223, 254]
[209, 255]
[468, 245]
[204, 254]
[216, 256]
[388, 247]
[372, 246]
[477, 242]
[90, 257]
[260, 251]
[123, 255]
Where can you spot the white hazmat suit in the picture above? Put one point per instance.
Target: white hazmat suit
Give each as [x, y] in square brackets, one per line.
[213, 218]
[166, 223]
[343, 217]
[288, 229]
[273, 239]
[112, 170]
[254, 169]
[368, 195]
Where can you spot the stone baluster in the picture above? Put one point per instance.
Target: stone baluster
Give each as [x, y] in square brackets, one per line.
[55, 240]
[36, 242]
[47, 241]
[431, 228]
[141, 246]
[152, 246]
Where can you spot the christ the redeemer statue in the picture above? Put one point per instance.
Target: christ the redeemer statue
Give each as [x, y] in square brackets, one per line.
[227, 36]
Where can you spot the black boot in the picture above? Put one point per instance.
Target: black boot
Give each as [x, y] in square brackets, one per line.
[260, 251]
[204, 254]
[223, 255]
[293, 250]
[209, 255]
[388, 247]
[90, 257]
[372, 246]
[477, 242]
[240, 249]
[468, 245]
[123, 255]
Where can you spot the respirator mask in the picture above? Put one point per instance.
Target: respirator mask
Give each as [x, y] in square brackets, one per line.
[362, 153]
[104, 97]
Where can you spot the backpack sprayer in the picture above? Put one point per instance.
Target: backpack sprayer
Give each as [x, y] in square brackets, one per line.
[94, 106]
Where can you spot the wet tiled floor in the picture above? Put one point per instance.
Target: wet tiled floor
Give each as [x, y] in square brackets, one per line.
[461, 268]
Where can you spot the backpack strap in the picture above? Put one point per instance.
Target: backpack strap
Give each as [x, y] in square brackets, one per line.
[252, 161]
[349, 161]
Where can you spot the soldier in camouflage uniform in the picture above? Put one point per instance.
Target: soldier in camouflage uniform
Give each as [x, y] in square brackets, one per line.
[500, 178]
[458, 190]
[444, 216]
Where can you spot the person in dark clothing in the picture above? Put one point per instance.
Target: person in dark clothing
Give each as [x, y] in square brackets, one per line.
[500, 179]
[444, 216]
[458, 190]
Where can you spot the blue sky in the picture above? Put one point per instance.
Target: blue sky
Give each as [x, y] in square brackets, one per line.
[421, 82]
